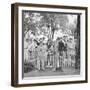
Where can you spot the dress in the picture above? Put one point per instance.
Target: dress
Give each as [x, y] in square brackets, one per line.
[42, 56]
[71, 53]
[56, 55]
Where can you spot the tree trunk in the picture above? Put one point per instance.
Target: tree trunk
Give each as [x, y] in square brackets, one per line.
[77, 57]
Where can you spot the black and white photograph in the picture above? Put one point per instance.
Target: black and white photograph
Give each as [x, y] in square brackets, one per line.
[49, 44]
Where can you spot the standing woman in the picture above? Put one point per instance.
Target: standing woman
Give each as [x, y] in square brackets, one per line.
[42, 56]
[56, 56]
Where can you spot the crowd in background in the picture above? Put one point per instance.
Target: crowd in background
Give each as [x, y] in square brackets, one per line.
[54, 53]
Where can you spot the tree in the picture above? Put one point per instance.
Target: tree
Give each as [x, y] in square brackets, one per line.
[52, 20]
[77, 33]
[31, 22]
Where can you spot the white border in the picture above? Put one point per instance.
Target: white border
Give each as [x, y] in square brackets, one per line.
[51, 78]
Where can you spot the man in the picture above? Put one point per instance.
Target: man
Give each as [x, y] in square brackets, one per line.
[58, 55]
[50, 56]
[49, 52]
[61, 49]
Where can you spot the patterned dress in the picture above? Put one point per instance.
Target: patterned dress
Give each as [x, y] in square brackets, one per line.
[41, 57]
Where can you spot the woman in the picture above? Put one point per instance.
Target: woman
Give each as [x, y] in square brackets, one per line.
[42, 56]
